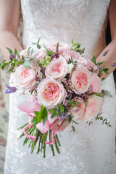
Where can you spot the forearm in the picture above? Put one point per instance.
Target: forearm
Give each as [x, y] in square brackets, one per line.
[109, 58]
[8, 39]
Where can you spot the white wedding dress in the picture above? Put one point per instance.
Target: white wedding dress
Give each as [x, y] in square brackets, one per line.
[92, 149]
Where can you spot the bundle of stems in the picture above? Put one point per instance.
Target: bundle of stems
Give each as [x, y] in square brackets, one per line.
[40, 140]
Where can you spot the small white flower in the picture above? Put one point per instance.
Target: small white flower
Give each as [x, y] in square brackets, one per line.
[69, 67]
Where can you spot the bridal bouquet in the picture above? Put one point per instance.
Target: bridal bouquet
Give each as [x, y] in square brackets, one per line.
[64, 87]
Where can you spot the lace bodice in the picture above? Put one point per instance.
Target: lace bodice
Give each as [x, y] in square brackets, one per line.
[62, 20]
[91, 149]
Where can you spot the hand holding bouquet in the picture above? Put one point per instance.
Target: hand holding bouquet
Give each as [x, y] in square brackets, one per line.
[64, 87]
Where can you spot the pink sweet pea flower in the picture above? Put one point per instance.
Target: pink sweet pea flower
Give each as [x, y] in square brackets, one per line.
[44, 128]
[29, 106]
[81, 79]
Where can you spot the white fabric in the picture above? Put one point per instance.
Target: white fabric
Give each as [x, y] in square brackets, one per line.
[92, 149]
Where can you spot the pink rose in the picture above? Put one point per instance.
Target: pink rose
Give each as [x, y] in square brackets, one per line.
[56, 68]
[96, 83]
[82, 61]
[24, 78]
[67, 54]
[81, 79]
[86, 62]
[40, 54]
[78, 111]
[93, 107]
[61, 47]
[90, 64]
[50, 93]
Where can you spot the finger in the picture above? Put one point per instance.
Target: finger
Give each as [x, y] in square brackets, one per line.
[55, 123]
[63, 125]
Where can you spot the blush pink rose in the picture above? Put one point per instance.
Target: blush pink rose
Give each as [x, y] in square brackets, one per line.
[61, 47]
[56, 68]
[90, 64]
[40, 54]
[81, 79]
[96, 83]
[50, 93]
[93, 107]
[67, 54]
[24, 78]
[78, 111]
[86, 62]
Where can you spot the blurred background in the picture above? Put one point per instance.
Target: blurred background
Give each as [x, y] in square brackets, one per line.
[4, 99]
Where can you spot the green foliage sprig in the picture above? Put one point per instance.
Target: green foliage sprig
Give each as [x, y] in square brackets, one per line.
[104, 121]
[40, 115]
[76, 47]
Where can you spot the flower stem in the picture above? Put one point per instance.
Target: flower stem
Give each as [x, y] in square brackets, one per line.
[52, 149]
[58, 140]
[44, 147]
[58, 151]
[39, 144]
[23, 126]
[35, 141]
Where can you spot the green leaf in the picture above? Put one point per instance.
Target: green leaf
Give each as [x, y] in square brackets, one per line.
[9, 50]
[99, 63]
[59, 112]
[38, 45]
[28, 51]
[94, 60]
[51, 111]
[106, 70]
[11, 68]
[53, 115]
[23, 57]
[19, 62]
[69, 102]
[75, 122]
[4, 65]
[15, 51]
[34, 57]
[5, 54]
[34, 43]
[36, 120]
[32, 51]
[44, 115]
[61, 108]
[69, 118]
[27, 64]
[18, 54]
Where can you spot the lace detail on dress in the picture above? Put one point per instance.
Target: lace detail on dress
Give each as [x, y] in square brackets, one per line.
[92, 149]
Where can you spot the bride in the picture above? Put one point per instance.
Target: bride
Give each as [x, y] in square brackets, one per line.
[92, 149]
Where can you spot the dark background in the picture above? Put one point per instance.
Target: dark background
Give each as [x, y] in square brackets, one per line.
[108, 40]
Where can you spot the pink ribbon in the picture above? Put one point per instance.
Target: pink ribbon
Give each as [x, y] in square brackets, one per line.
[29, 136]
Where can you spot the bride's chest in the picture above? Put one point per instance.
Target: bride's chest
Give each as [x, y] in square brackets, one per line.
[62, 9]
